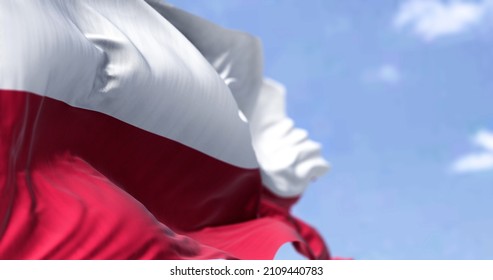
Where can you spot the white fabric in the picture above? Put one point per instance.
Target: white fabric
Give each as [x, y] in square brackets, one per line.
[236, 56]
[288, 159]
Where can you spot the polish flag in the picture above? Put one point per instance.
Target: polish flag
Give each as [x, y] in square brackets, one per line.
[134, 130]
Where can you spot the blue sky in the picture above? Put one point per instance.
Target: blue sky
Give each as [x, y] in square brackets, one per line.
[398, 93]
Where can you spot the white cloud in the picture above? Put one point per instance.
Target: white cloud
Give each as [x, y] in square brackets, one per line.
[484, 139]
[480, 161]
[474, 163]
[431, 19]
[386, 73]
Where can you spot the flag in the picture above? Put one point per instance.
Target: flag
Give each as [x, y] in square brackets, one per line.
[134, 130]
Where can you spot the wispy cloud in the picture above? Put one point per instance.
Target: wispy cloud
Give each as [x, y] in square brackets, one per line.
[386, 73]
[431, 19]
[479, 161]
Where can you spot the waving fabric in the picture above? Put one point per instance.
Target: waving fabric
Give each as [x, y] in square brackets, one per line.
[133, 130]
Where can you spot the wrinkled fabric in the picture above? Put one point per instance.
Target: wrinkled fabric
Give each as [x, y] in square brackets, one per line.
[131, 130]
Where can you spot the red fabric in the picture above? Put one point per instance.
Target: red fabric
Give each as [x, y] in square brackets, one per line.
[77, 184]
[153, 169]
[258, 239]
[77, 213]
[310, 243]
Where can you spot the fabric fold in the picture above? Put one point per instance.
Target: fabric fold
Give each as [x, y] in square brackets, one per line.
[134, 130]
